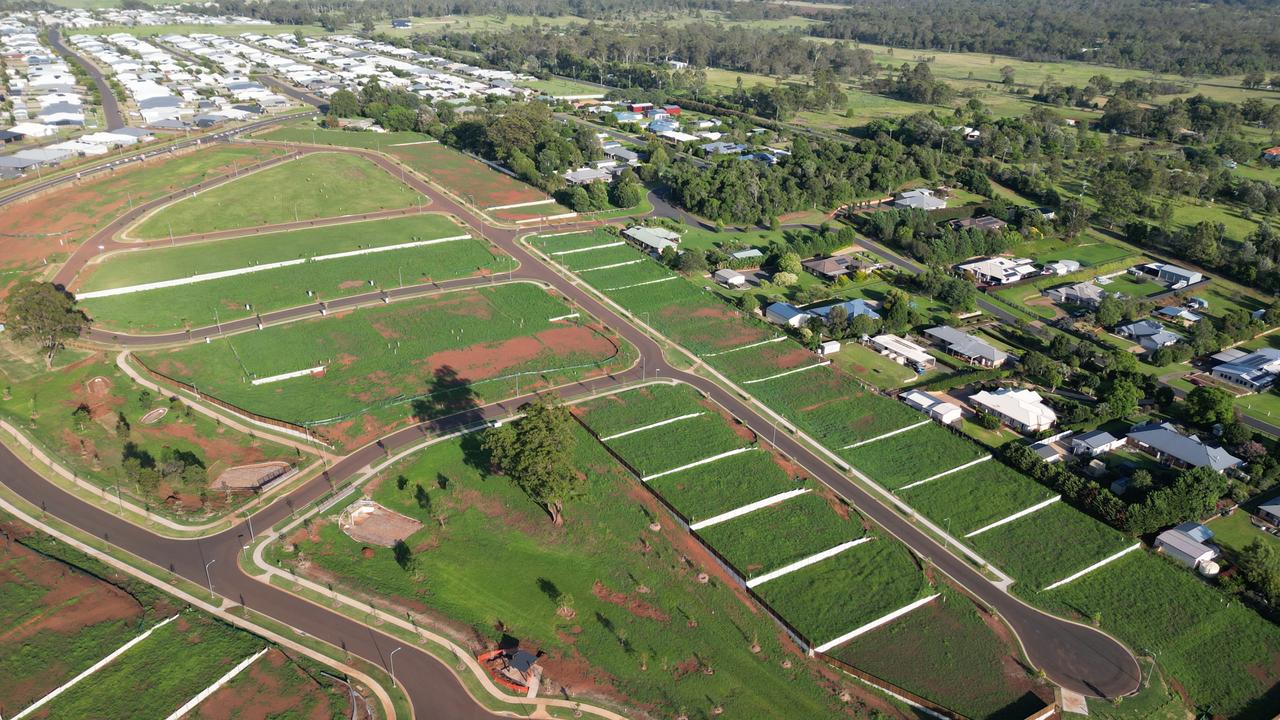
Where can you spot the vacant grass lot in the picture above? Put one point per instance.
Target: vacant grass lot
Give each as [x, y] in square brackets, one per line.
[640, 407]
[833, 407]
[465, 176]
[445, 352]
[556, 244]
[1158, 607]
[309, 133]
[159, 674]
[953, 653]
[974, 497]
[765, 361]
[790, 531]
[312, 186]
[1093, 254]
[1049, 545]
[602, 258]
[913, 455]
[638, 624]
[667, 448]
[843, 593]
[724, 485]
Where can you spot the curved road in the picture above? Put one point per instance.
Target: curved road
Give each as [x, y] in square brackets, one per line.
[110, 105]
[1075, 656]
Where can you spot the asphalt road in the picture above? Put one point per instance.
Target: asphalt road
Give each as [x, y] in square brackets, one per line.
[110, 105]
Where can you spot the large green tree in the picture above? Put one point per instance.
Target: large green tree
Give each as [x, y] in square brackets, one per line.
[45, 315]
[536, 452]
[1208, 405]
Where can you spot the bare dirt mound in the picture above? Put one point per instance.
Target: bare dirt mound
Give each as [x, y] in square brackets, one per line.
[366, 521]
[250, 477]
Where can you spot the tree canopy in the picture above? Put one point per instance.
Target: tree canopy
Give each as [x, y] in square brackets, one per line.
[45, 315]
[536, 452]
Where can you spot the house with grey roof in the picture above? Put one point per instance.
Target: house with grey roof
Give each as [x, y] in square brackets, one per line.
[1095, 443]
[1087, 294]
[1270, 510]
[1166, 444]
[920, 199]
[1150, 334]
[853, 308]
[786, 314]
[967, 347]
[1255, 371]
[1189, 544]
[653, 239]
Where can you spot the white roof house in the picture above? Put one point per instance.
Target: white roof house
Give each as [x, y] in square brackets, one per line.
[902, 351]
[1189, 544]
[1021, 409]
[920, 199]
[999, 270]
[729, 278]
[654, 239]
[944, 412]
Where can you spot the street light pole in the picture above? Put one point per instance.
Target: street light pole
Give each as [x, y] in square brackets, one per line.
[392, 657]
[209, 578]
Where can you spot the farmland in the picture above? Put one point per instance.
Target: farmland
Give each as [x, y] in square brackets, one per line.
[954, 653]
[89, 416]
[433, 356]
[1181, 620]
[616, 617]
[913, 455]
[312, 186]
[971, 498]
[55, 222]
[318, 277]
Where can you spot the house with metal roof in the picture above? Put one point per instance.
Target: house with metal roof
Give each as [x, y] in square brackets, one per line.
[999, 270]
[1020, 409]
[944, 412]
[903, 351]
[986, 223]
[1095, 443]
[1061, 267]
[653, 239]
[920, 199]
[1087, 294]
[1189, 544]
[786, 314]
[1179, 314]
[1255, 371]
[967, 347]
[1270, 510]
[853, 308]
[748, 254]
[1166, 444]
[1150, 334]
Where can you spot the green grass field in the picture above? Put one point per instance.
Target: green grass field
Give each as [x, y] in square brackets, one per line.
[776, 536]
[669, 447]
[1159, 607]
[708, 490]
[640, 407]
[840, 594]
[475, 182]
[1093, 254]
[765, 361]
[913, 455]
[948, 652]
[440, 351]
[228, 298]
[972, 498]
[313, 186]
[641, 625]
[1049, 545]
[832, 407]
[310, 134]
[159, 674]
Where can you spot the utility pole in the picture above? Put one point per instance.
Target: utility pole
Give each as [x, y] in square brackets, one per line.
[209, 578]
[392, 658]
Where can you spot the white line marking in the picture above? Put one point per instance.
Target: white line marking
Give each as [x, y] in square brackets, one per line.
[386, 248]
[559, 234]
[650, 426]
[801, 564]
[1015, 516]
[891, 433]
[636, 285]
[204, 694]
[563, 317]
[288, 375]
[789, 372]
[703, 461]
[520, 205]
[748, 508]
[561, 216]
[780, 338]
[416, 142]
[92, 669]
[874, 624]
[610, 267]
[1093, 567]
[585, 249]
[945, 473]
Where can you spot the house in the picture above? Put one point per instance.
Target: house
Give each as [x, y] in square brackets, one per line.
[1189, 544]
[1020, 409]
[1049, 449]
[722, 148]
[902, 351]
[1061, 267]
[748, 255]
[920, 199]
[967, 347]
[1046, 212]
[587, 175]
[986, 223]
[729, 278]
[1255, 371]
[1270, 510]
[1087, 294]
[621, 154]
[998, 270]
[786, 314]
[1179, 315]
[944, 412]
[623, 116]
[653, 239]
[672, 110]
[828, 268]
[1172, 275]
[401, 24]
[969, 134]
[1272, 155]
[1150, 334]
[1095, 443]
[1166, 444]
[853, 308]
[640, 107]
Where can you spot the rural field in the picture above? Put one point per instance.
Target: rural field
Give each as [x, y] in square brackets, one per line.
[96, 421]
[65, 611]
[475, 182]
[54, 223]
[620, 614]
[326, 263]
[424, 357]
[313, 186]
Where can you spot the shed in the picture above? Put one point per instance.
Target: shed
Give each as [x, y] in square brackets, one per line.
[729, 278]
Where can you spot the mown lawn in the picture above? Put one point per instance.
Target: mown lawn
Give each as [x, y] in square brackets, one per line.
[640, 622]
[790, 531]
[310, 134]
[833, 407]
[313, 186]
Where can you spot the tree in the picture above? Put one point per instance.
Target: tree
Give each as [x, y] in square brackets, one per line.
[536, 452]
[789, 262]
[1006, 74]
[1109, 311]
[344, 103]
[1259, 562]
[692, 261]
[1123, 399]
[45, 315]
[1208, 405]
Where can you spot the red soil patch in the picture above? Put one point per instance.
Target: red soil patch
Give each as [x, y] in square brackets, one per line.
[635, 606]
[271, 687]
[486, 360]
[350, 284]
[214, 448]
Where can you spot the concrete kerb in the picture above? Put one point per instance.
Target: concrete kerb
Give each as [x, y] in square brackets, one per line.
[459, 653]
[384, 698]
